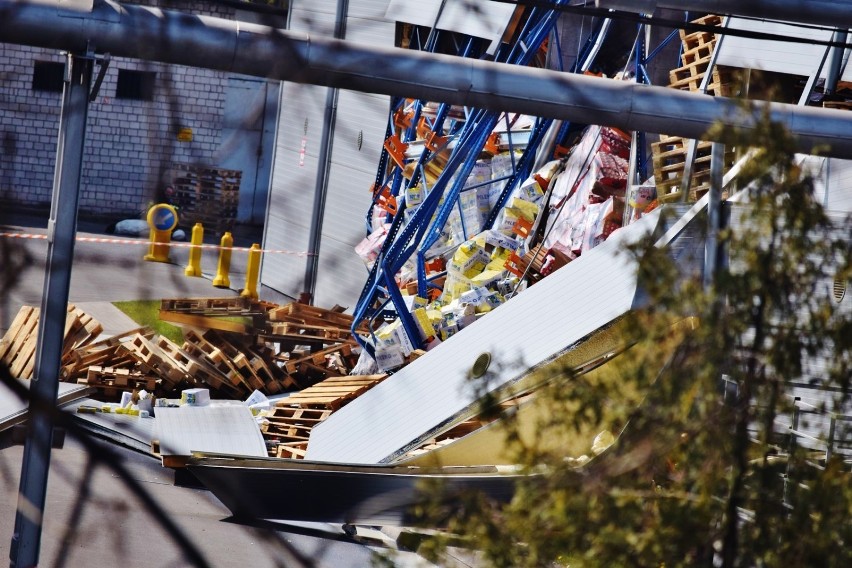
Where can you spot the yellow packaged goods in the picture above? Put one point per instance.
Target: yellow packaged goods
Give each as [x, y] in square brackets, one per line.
[389, 357]
[531, 189]
[413, 195]
[424, 324]
[499, 239]
[523, 208]
[467, 256]
[488, 277]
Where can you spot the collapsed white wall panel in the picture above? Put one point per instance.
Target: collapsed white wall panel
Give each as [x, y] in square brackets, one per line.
[773, 55]
[477, 18]
[417, 401]
[839, 186]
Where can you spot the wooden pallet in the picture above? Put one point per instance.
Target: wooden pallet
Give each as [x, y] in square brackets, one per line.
[237, 358]
[18, 346]
[104, 353]
[669, 159]
[153, 360]
[310, 315]
[332, 393]
[215, 358]
[314, 331]
[234, 306]
[699, 54]
[288, 425]
[344, 350]
[691, 40]
[206, 322]
[291, 450]
[111, 382]
[206, 195]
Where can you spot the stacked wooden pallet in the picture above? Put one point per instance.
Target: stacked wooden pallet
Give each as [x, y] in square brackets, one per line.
[206, 195]
[254, 343]
[129, 361]
[695, 57]
[289, 425]
[232, 346]
[670, 153]
[669, 157]
[18, 346]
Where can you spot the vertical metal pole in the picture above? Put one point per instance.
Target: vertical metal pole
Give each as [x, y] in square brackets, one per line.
[835, 63]
[61, 228]
[323, 170]
[714, 206]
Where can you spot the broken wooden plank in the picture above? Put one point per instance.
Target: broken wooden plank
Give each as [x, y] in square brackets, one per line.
[205, 322]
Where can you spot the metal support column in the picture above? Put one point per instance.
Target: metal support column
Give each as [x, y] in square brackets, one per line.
[44, 386]
[714, 206]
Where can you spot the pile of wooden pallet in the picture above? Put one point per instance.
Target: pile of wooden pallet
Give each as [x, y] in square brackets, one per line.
[206, 195]
[18, 346]
[288, 427]
[670, 153]
[232, 346]
[294, 345]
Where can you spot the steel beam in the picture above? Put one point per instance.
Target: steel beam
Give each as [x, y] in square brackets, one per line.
[833, 13]
[124, 30]
[173, 37]
[61, 228]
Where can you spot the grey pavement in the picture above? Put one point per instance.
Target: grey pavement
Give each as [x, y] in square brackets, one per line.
[110, 526]
[104, 272]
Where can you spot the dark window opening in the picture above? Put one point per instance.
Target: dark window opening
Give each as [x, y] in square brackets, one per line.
[135, 85]
[48, 76]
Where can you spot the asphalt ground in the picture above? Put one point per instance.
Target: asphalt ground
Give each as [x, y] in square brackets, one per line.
[109, 271]
[101, 523]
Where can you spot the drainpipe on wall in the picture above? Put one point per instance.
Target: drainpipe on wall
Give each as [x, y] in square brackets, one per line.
[323, 171]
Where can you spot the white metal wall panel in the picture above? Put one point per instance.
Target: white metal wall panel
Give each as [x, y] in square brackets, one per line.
[777, 56]
[313, 17]
[341, 273]
[292, 189]
[373, 9]
[479, 18]
[396, 414]
[839, 186]
[370, 32]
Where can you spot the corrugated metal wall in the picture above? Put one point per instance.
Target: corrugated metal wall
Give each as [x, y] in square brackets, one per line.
[776, 56]
[357, 142]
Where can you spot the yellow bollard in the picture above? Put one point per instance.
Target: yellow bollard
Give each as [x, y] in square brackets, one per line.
[221, 280]
[162, 219]
[252, 272]
[194, 266]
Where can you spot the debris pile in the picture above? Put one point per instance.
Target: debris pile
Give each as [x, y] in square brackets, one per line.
[564, 209]
[18, 346]
[232, 346]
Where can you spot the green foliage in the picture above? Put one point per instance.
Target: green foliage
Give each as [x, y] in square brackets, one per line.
[695, 478]
[147, 312]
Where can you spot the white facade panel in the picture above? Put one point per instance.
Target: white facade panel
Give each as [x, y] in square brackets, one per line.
[370, 32]
[771, 55]
[397, 414]
[356, 147]
[839, 185]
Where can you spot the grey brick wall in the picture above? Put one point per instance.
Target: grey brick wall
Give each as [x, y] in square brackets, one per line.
[129, 144]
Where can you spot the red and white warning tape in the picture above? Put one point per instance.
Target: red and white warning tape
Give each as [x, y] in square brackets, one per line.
[104, 240]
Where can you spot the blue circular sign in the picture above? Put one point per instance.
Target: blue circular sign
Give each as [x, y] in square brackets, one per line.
[162, 217]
